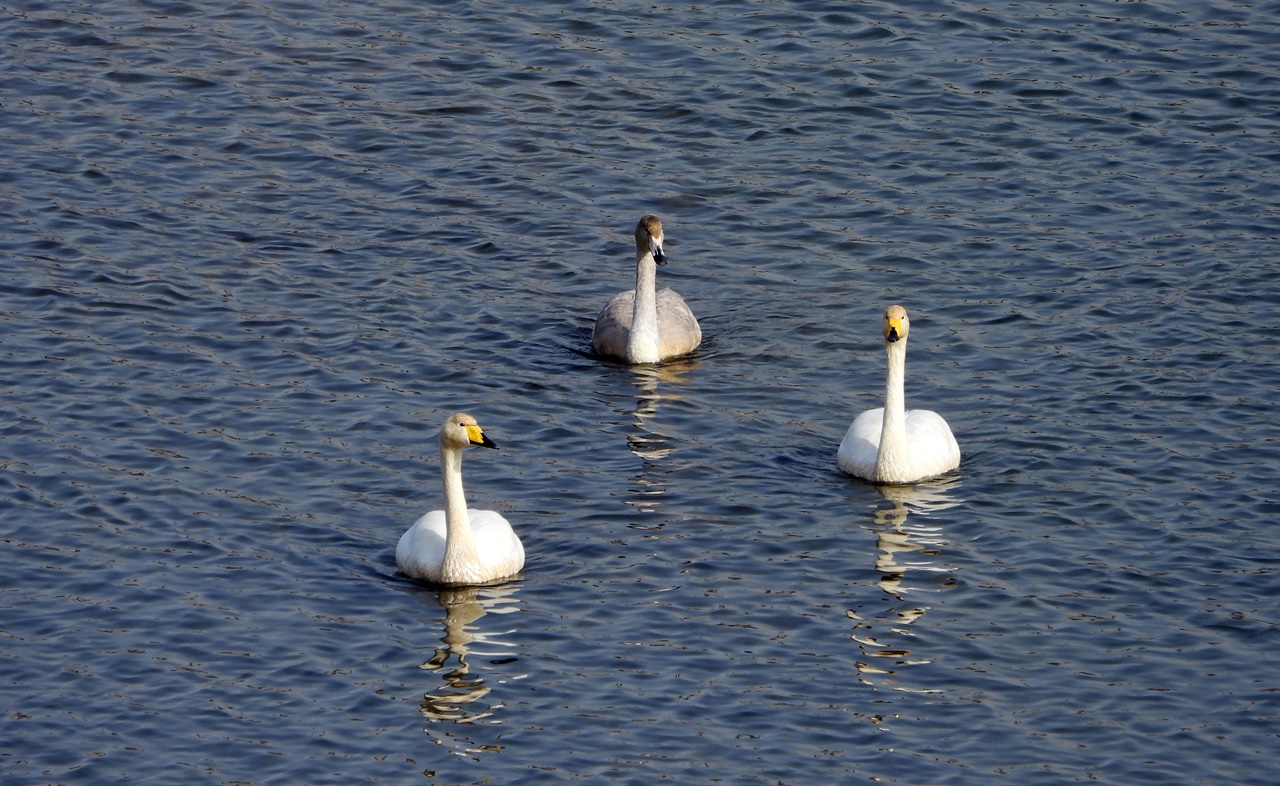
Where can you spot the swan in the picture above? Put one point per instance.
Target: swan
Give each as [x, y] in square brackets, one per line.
[889, 444]
[456, 546]
[641, 325]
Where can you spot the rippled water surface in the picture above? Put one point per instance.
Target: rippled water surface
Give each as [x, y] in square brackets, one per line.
[254, 253]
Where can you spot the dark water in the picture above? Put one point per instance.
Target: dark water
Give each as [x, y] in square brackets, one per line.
[254, 253]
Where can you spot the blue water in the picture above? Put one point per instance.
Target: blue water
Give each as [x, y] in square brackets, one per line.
[254, 254]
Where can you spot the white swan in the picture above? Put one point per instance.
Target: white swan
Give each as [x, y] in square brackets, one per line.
[456, 546]
[641, 325]
[889, 444]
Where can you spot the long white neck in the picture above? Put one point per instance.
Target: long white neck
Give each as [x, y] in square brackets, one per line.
[642, 343]
[459, 545]
[893, 461]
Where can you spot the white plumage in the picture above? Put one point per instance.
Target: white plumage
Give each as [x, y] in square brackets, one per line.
[890, 444]
[457, 546]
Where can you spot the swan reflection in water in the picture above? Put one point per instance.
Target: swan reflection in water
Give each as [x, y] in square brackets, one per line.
[903, 548]
[647, 441]
[463, 695]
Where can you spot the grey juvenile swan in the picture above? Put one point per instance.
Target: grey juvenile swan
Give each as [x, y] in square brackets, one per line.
[642, 325]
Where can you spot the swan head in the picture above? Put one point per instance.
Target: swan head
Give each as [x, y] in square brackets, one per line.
[461, 431]
[649, 238]
[896, 324]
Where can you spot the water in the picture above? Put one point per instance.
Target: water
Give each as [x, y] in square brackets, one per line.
[255, 253]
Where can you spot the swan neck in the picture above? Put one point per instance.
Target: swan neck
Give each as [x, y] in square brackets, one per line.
[642, 343]
[893, 458]
[459, 546]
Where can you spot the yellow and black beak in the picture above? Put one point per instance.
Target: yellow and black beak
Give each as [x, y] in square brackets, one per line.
[893, 329]
[477, 437]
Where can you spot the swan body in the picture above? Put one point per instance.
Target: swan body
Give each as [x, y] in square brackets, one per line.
[457, 546]
[890, 444]
[644, 325]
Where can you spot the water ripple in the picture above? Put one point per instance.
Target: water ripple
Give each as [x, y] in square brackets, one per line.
[255, 254]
